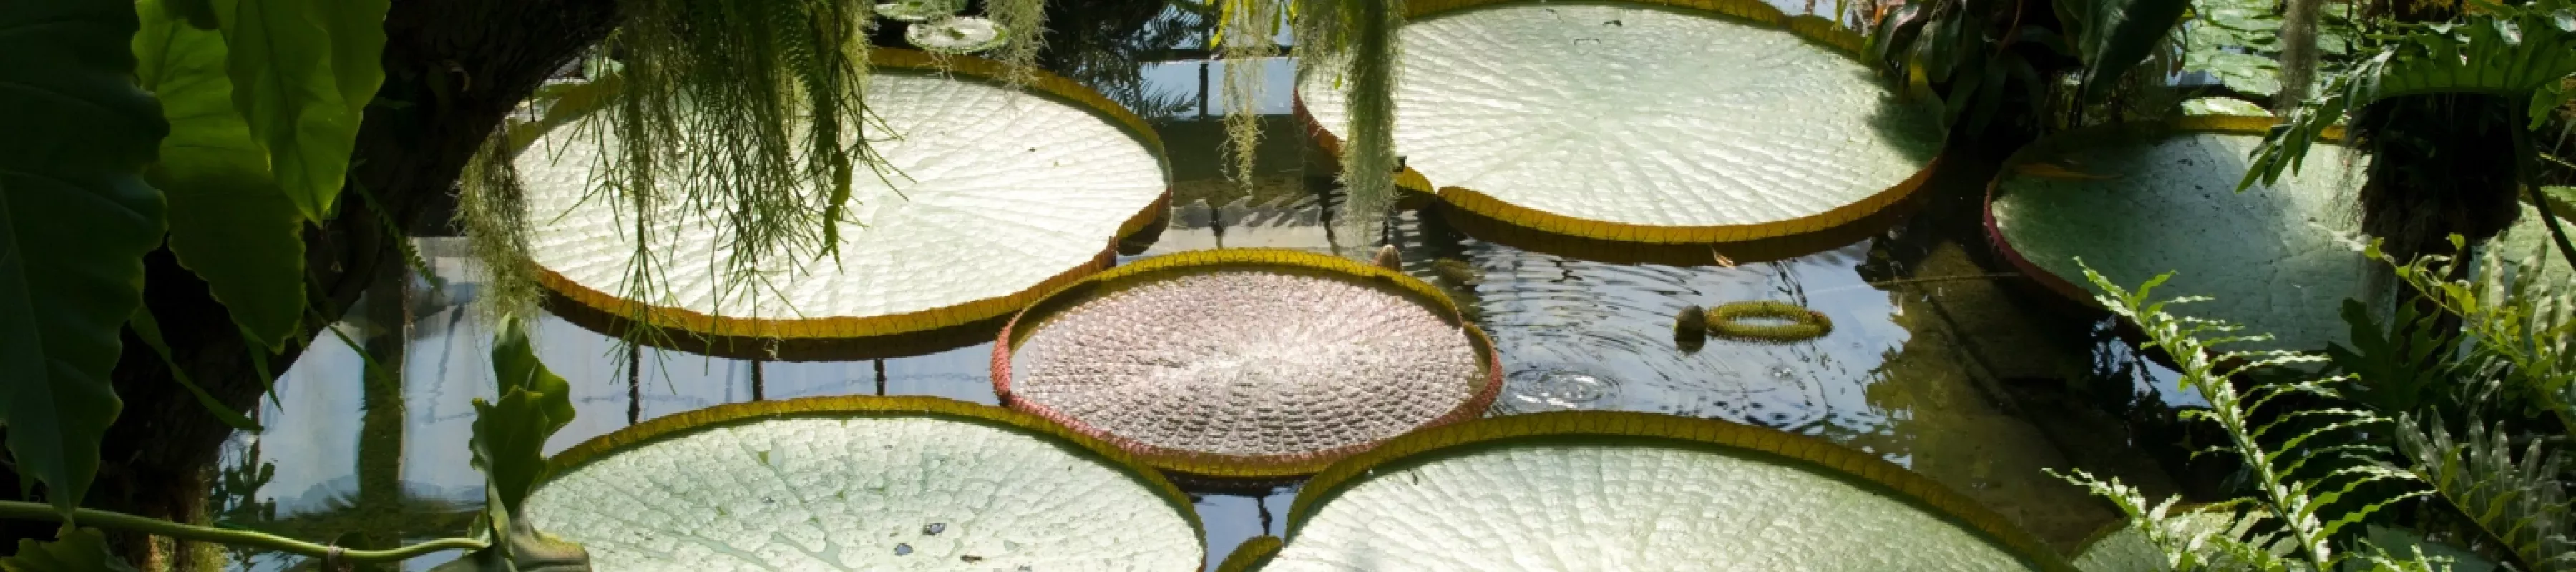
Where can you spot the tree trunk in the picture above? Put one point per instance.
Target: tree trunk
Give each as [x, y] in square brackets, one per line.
[2298, 53]
[453, 69]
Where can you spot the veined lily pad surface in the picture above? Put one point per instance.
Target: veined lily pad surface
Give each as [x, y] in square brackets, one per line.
[990, 195]
[2528, 244]
[862, 483]
[2141, 200]
[1630, 491]
[1644, 121]
[1246, 363]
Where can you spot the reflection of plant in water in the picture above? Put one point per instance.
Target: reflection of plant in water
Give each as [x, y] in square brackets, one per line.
[508, 441]
[235, 500]
[1098, 43]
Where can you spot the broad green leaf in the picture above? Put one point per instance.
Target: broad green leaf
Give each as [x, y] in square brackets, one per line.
[523, 549]
[285, 84]
[150, 331]
[2511, 51]
[989, 193]
[863, 483]
[75, 221]
[80, 550]
[1606, 117]
[2114, 35]
[510, 433]
[2522, 53]
[1630, 491]
[235, 227]
[357, 29]
[2278, 259]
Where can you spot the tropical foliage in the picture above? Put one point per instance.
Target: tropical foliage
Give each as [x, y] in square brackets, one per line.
[2325, 454]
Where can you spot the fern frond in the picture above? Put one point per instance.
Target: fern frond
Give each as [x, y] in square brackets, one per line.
[2307, 511]
[2516, 498]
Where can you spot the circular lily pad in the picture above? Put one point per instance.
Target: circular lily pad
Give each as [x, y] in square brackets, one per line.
[862, 483]
[990, 196]
[1647, 121]
[2136, 201]
[1246, 364]
[2528, 247]
[1631, 491]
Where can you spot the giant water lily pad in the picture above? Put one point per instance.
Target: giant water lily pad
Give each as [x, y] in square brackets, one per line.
[862, 483]
[1633, 491]
[1652, 121]
[1246, 363]
[2529, 247]
[2141, 200]
[989, 196]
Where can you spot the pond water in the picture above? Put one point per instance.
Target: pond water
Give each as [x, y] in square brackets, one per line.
[1938, 359]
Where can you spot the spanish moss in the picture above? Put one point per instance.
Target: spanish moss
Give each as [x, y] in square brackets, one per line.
[491, 209]
[1024, 22]
[1248, 30]
[1362, 33]
[746, 112]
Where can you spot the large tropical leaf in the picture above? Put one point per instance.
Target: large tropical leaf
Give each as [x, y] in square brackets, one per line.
[80, 550]
[235, 227]
[1648, 120]
[2523, 53]
[75, 221]
[2114, 35]
[2510, 51]
[863, 483]
[510, 433]
[286, 64]
[2138, 201]
[1631, 491]
[509, 446]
